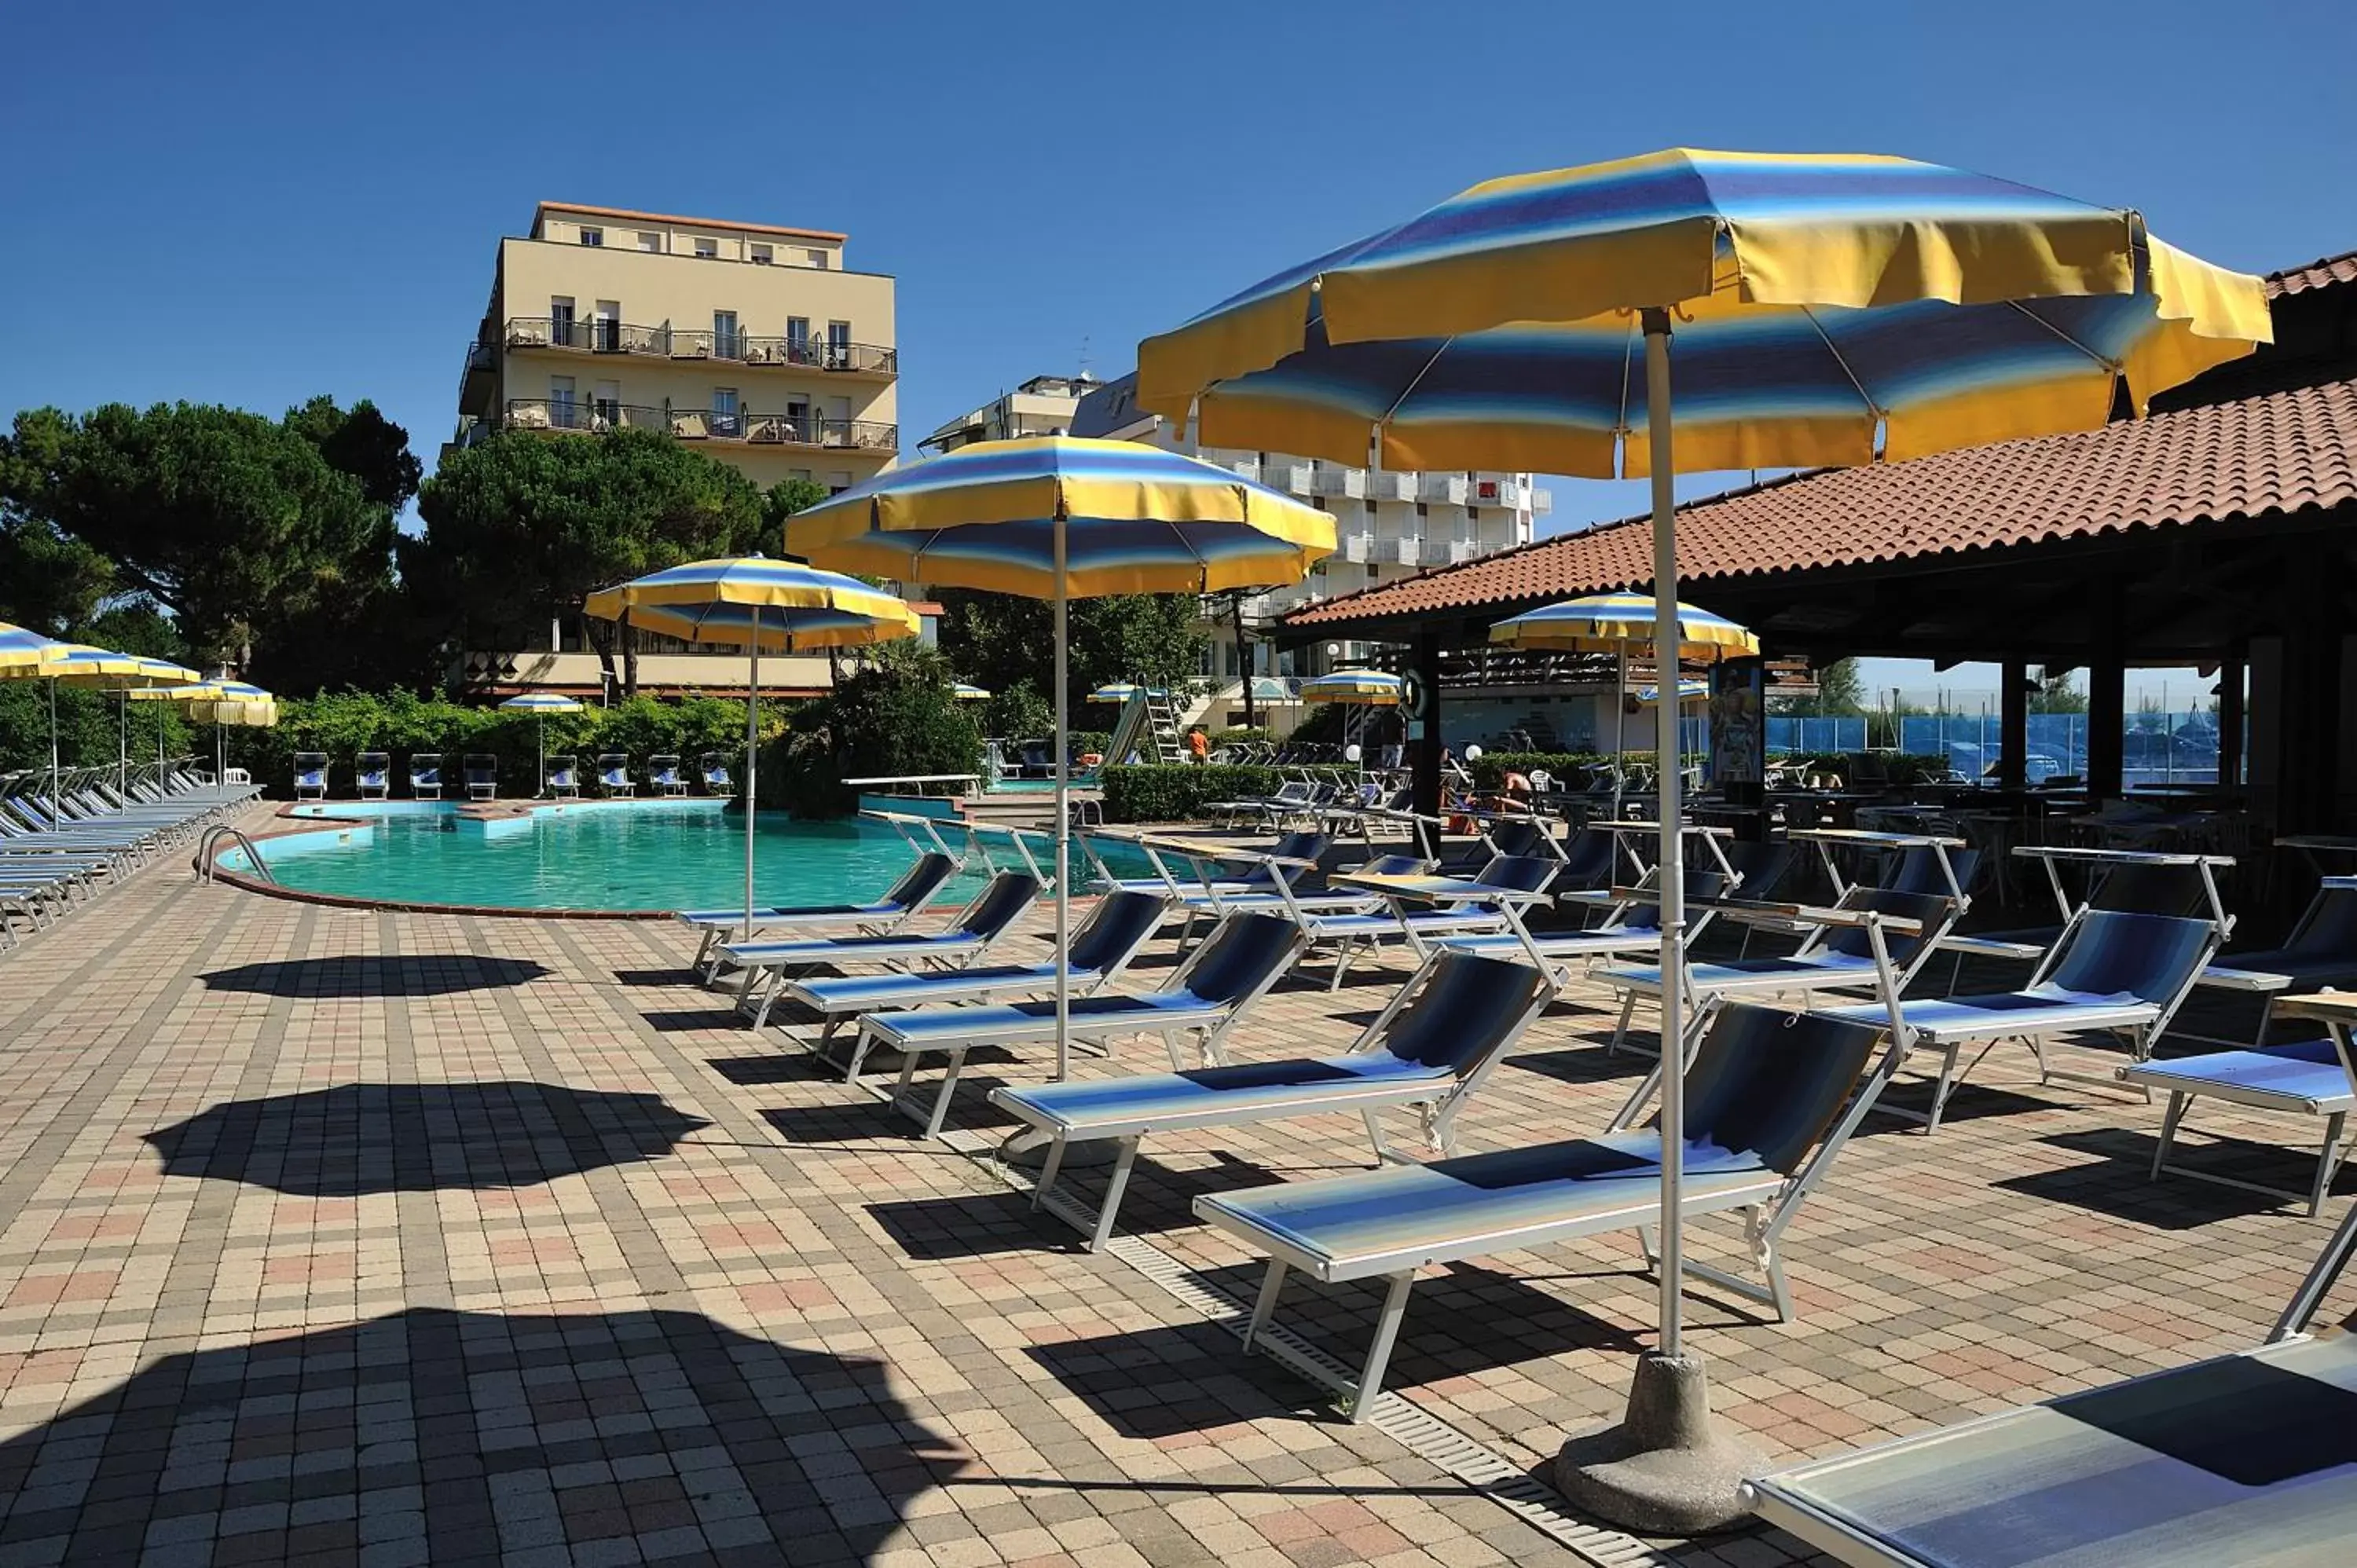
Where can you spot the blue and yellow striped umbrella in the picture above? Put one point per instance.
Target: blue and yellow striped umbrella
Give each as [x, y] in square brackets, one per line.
[1138, 521]
[791, 606]
[1368, 688]
[1829, 310]
[1058, 517]
[1622, 623]
[1826, 309]
[762, 606]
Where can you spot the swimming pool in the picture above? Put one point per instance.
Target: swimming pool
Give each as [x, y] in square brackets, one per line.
[640, 856]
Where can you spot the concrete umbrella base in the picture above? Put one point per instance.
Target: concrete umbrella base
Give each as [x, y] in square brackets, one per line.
[1662, 1470]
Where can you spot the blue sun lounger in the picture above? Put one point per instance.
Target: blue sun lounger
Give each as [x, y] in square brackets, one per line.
[2241, 1460]
[1102, 946]
[565, 780]
[918, 887]
[310, 774]
[2304, 1078]
[1427, 1051]
[977, 929]
[1847, 946]
[1764, 1122]
[1218, 982]
[373, 775]
[613, 776]
[663, 775]
[425, 776]
[2114, 973]
[1481, 904]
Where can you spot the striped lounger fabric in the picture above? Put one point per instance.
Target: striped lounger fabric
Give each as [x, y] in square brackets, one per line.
[2245, 1459]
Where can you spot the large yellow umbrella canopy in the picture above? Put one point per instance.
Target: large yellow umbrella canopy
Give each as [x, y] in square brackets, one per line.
[759, 605]
[1828, 309]
[1060, 517]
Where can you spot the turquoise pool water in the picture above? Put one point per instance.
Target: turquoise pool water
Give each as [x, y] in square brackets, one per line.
[644, 856]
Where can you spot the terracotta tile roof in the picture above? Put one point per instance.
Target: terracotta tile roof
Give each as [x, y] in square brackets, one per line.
[2284, 452]
[2322, 274]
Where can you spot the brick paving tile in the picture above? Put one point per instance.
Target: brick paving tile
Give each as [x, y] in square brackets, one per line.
[334, 1235]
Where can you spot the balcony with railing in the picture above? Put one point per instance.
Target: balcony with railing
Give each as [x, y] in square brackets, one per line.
[595, 416]
[1448, 490]
[1333, 480]
[1386, 486]
[1407, 551]
[1293, 476]
[597, 335]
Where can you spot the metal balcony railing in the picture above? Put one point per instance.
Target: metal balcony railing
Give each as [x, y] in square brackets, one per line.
[1448, 490]
[1331, 479]
[596, 416]
[598, 336]
[1391, 487]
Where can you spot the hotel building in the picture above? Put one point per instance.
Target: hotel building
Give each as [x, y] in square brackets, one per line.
[752, 340]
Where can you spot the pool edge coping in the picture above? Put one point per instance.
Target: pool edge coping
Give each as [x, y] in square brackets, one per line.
[284, 811]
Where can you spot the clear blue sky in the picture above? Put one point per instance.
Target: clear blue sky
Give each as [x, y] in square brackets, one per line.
[255, 202]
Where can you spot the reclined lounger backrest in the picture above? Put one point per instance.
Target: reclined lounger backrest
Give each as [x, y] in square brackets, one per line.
[1916, 870]
[1770, 1083]
[1519, 873]
[1294, 845]
[2152, 957]
[1240, 959]
[2328, 930]
[1933, 912]
[1588, 862]
[920, 880]
[1114, 930]
[1465, 1005]
[996, 908]
[1702, 885]
[1758, 867]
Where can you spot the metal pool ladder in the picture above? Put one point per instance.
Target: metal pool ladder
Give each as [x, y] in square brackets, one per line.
[213, 836]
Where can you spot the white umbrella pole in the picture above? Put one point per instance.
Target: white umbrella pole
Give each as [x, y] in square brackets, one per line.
[53, 754]
[1063, 828]
[540, 783]
[122, 742]
[1620, 722]
[1672, 879]
[752, 762]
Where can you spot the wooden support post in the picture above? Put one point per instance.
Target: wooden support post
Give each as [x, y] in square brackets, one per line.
[1424, 749]
[2107, 693]
[2013, 725]
[2231, 681]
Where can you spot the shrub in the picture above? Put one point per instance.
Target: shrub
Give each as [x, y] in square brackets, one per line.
[1169, 792]
[1491, 768]
[896, 715]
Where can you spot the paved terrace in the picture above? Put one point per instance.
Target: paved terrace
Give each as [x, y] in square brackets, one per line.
[335, 1236]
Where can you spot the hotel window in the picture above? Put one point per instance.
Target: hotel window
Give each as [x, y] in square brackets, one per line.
[838, 345]
[817, 259]
[560, 321]
[723, 334]
[723, 412]
[798, 340]
[593, 237]
[605, 401]
[649, 241]
[560, 401]
[838, 482]
[760, 255]
[708, 248]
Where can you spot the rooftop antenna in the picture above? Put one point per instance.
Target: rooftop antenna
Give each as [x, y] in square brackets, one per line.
[1084, 355]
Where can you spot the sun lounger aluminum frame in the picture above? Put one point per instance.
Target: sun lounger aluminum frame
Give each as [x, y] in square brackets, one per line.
[2215, 1462]
[1173, 1009]
[908, 897]
[1770, 1195]
[1449, 987]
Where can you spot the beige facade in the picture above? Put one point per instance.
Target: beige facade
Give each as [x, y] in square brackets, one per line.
[752, 340]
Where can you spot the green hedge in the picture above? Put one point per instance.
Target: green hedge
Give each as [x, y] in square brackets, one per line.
[91, 728]
[1491, 768]
[1173, 792]
[402, 724]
